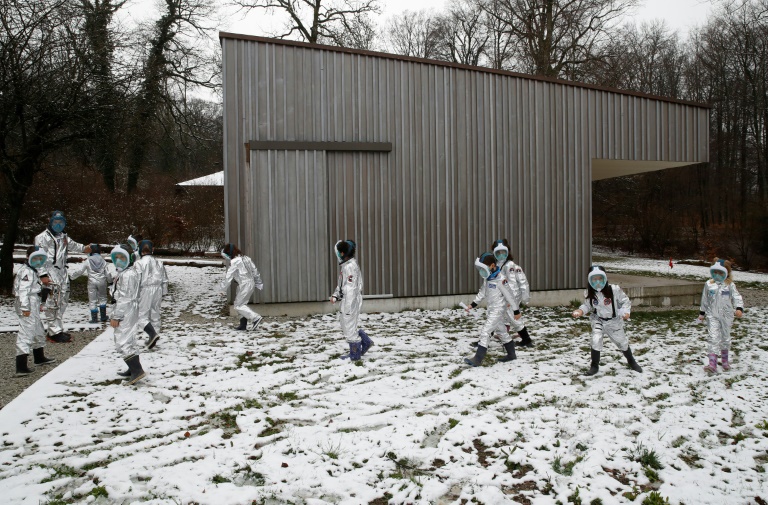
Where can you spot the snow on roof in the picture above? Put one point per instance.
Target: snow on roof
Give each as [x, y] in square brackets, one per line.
[216, 179]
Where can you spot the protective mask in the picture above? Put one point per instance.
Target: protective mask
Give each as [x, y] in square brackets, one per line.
[482, 269]
[37, 259]
[718, 275]
[58, 225]
[501, 253]
[120, 260]
[225, 256]
[598, 282]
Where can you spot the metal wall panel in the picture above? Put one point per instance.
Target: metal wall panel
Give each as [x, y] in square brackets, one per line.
[476, 155]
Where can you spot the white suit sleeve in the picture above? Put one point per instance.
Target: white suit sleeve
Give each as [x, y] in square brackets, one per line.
[79, 270]
[506, 291]
[228, 277]
[585, 307]
[73, 246]
[736, 299]
[704, 300]
[165, 278]
[40, 242]
[623, 303]
[480, 296]
[525, 288]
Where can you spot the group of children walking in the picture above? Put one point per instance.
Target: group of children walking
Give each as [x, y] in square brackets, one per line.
[137, 287]
[141, 281]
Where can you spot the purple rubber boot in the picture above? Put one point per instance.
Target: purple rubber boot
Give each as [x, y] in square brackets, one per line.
[724, 360]
[712, 366]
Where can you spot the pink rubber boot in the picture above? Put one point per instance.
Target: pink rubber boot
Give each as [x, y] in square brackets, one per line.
[724, 360]
[712, 366]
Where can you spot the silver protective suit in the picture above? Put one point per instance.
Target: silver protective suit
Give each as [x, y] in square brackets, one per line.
[518, 285]
[57, 247]
[244, 272]
[718, 303]
[498, 295]
[99, 277]
[154, 285]
[601, 317]
[127, 287]
[349, 292]
[26, 289]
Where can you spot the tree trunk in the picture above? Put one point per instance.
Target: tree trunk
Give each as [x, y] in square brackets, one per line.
[17, 195]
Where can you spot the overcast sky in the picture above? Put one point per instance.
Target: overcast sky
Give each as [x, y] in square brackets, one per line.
[680, 15]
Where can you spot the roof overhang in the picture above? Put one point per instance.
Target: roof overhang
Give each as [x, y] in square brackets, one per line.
[606, 169]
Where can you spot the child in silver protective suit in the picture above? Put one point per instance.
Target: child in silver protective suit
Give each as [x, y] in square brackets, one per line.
[99, 277]
[26, 289]
[499, 298]
[240, 269]
[718, 300]
[608, 307]
[154, 285]
[349, 291]
[125, 315]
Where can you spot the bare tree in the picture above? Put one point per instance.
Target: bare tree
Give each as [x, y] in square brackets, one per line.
[553, 37]
[464, 34]
[175, 62]
[356, 32]
[417, 34]
[46, 100]
[318, 20]
[500, 46]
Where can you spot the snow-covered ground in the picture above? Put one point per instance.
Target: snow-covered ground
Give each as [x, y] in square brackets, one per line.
[274, 417]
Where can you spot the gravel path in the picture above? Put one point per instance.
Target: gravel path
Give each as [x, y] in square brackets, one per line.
[11, 386]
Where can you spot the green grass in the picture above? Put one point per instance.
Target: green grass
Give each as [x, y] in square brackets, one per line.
[654, 498]
[646, 457]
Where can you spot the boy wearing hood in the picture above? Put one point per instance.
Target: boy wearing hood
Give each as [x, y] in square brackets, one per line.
[125, 315]
[99, 277]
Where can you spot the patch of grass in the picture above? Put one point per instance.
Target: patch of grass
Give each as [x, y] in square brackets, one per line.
[219, 479]
[288, 396]
[452, 423]
[457, 384]
[654, 498]
[652, 474]
[99, 492]
[565, 467]
[596, 501]
[574, 497]
[679, 441]
[455, 373]
[646, 457]
[250, 403]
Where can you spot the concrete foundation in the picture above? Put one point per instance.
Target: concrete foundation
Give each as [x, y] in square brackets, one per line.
[648, 291]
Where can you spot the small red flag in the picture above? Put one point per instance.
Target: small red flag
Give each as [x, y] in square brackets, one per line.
[670, 263]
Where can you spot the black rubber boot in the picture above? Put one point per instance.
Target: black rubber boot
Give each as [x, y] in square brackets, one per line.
[60, 338]
[153, 338]
[137, 373]
[526, 342]
[478, 357]
[631, 361]
[595, 365]
[21, 365]
[103, 313]
[510, 348]
[40, 357]
[243, 324]
[94, 315]
[125, 373]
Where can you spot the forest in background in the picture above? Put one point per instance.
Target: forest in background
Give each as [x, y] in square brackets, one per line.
[101, 120]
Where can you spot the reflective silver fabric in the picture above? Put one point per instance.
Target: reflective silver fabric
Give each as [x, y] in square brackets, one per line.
[601, 317]
[154, 284]
[127, 287]
[517, 283]
[244, 272]
[718, 302]
[57, 247]
[26, 289]
[349, 292]
[99, 277]
[498, 295]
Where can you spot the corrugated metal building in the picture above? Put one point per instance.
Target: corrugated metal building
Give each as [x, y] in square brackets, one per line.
[424, 163]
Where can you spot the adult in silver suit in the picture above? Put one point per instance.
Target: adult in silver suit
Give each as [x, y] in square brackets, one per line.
[56, 245]
[154, 285]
